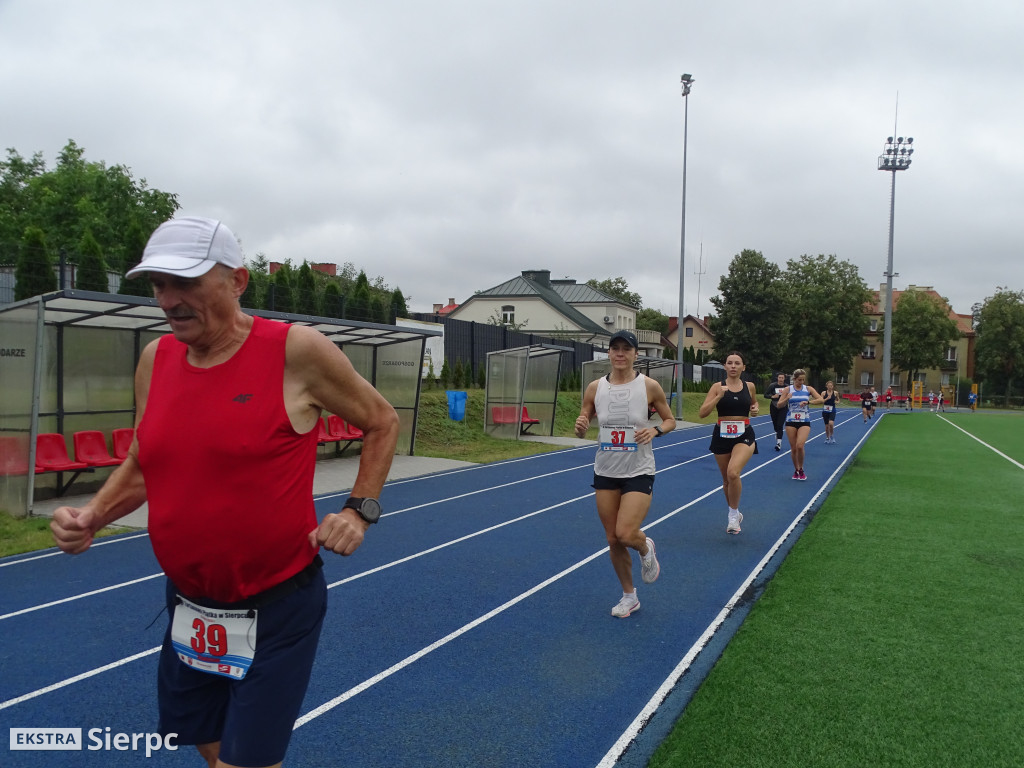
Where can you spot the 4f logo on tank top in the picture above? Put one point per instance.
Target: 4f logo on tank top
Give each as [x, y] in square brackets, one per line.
[242, 398]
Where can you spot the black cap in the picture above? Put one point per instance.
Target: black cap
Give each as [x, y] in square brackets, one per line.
[626, 336]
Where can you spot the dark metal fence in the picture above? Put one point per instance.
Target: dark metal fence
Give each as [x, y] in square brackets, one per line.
[470, 342]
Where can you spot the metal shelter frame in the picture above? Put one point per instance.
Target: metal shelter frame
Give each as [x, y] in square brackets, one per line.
[67, 363]
[660, 369]
[522, 386]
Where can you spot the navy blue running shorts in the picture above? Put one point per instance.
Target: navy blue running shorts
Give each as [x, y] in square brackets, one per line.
[252, 718]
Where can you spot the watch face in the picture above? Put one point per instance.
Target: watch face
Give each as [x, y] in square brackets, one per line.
[369, 510]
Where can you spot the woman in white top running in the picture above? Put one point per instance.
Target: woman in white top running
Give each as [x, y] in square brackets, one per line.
[624, 466]
[797, 397]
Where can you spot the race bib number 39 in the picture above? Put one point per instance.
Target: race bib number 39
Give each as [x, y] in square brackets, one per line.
[214, 640]
[617, 439]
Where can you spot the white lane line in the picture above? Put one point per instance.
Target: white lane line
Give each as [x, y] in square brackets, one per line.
[55, 552]
[78, 597]
[77, 678]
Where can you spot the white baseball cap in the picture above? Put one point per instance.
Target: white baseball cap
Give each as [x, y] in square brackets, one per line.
[189, 247]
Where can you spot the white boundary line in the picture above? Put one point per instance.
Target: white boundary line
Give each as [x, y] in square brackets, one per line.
[629, 735]
[991, 448]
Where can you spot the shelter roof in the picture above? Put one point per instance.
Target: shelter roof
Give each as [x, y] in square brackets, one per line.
[136, 313]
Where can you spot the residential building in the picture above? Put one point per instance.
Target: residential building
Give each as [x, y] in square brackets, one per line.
[958, 362]
[560, 308]
[696, 334]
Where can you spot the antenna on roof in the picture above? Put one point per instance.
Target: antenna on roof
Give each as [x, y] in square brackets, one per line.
[698, 272]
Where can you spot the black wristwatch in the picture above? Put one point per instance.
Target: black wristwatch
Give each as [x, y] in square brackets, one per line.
[658, 430]
[368, 509]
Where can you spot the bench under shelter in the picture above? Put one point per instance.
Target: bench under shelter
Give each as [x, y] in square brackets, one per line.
[522, 389]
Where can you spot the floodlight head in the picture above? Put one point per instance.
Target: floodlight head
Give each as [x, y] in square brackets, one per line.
[889, 140]
[687, 78]
[899, 140]
[910, 141]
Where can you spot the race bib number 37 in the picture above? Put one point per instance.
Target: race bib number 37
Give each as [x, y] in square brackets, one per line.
[214, 640]
[617, 439]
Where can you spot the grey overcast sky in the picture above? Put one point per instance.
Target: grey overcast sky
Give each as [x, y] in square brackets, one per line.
[446, 146]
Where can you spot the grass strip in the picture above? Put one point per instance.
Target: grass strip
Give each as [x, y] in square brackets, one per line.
[891, 635]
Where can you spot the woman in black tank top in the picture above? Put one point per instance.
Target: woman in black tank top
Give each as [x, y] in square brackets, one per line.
[732, 441]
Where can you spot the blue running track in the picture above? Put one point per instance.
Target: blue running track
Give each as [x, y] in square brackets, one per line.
[473, 627]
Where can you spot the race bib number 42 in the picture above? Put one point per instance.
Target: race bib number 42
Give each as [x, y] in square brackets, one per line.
[617, 439]
[214, 640]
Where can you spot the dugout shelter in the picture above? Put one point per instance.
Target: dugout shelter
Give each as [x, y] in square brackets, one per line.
[522, 389]
[67, 364]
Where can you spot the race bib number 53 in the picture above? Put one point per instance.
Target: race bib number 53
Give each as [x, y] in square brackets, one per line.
[732, 428]
[214, 640]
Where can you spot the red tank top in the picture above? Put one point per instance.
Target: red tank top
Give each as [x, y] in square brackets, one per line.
[229, 481]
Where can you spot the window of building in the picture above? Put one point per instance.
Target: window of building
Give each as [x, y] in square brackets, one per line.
[842, 378]
[868, 352]
[873, 324]
[508, 314]
[950, 354]
[689, 333]
[945, 380]
[894, 379]
[867, 378]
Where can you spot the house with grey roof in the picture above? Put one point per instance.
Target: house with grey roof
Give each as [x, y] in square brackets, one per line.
[534, 303]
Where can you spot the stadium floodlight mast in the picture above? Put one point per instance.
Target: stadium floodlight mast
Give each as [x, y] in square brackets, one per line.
[687, 82]
[895, 157]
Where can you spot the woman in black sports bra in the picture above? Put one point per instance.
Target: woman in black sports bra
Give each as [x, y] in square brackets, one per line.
[732, 441]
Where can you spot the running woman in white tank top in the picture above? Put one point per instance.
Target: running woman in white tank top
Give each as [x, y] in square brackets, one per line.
[624, 466]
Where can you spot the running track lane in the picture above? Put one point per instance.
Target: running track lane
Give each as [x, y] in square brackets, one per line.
[472, 628]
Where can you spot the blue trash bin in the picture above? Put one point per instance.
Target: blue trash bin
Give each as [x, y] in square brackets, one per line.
[456, 404]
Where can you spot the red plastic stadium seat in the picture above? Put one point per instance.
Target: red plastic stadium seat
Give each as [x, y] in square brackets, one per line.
[52, 455]
[13, 455]
[506, 414]
[323, 436]
[122, 440]
[91, 447]
[341, 429]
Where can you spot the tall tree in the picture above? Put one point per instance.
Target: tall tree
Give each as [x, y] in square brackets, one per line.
[283, 292]
[752, 312]
[135, 240]
[305, 291]
[91, 274]
[358, 305]
[398, 305]
[333, 299]
[75, 196]
[827, 321]
[618, 288]
[34, 271]
[999, 355]
[652, 320]
[255, 294]
[921, 332]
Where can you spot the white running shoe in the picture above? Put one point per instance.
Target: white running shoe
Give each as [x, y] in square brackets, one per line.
[626, 606]
[649, 568]
[778, 445]
[734, 522]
